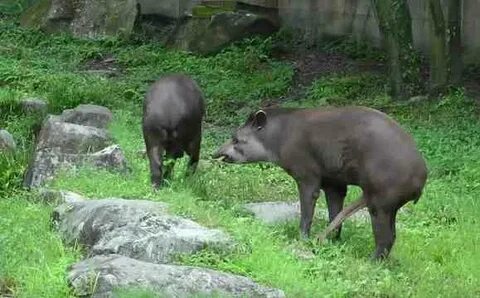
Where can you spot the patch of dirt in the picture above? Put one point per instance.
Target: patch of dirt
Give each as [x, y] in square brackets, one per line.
[106, 66]
[310, 65]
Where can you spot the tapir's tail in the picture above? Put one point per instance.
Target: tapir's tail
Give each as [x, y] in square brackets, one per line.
[344, 214]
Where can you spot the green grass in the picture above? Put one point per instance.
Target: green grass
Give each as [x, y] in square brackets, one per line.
[436, 253]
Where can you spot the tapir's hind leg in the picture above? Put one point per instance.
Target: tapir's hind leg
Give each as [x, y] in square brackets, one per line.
[155, 158]
[193, 152]
[155, 153]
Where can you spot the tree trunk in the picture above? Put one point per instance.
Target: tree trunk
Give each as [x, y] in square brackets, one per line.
[455, 41]
[438, 49]
[395, 25]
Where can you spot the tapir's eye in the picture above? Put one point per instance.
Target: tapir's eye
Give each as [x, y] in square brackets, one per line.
[235, 140]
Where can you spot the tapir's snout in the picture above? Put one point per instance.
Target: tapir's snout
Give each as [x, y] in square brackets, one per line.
[222, 153]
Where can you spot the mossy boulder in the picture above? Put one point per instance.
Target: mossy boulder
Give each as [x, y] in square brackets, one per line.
[82, 18]
[209, 35]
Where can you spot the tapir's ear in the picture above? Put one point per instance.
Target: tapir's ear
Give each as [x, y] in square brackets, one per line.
[260, 119]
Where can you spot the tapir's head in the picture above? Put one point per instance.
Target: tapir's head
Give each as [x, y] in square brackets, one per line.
[248, 142]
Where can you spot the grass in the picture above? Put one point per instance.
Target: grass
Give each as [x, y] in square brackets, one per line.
[436, 253]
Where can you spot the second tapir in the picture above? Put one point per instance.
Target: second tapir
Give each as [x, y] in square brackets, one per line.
[172, 123]
[330, 148]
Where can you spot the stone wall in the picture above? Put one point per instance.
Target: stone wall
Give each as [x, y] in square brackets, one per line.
[321, 18]
[169, 8]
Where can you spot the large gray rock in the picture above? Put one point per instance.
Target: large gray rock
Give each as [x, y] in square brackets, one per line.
[82, 18]
[34, 106]
[112, 272]
[88, 115]
[71, 138]
[7, 143]
[75, 138]
[135, 228]
[47, 162]
[280, 212]
[208, 36]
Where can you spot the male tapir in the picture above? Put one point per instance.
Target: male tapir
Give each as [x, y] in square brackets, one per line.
[330, 148]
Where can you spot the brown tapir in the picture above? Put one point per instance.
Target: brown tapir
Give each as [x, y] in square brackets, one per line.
[173, 111]
[330, 148]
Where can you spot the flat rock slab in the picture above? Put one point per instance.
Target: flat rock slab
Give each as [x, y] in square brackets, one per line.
[113, 272]
[138, 229]
[279, 212]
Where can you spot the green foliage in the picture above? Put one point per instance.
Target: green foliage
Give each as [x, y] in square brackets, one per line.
[14, 7]
[32, 255]
[436, 249]
[342, 89]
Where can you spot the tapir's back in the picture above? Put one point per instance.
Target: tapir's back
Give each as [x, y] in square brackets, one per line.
[364, 142]
[172, 100]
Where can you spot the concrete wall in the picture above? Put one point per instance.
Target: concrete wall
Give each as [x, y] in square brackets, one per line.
[261, 3]
[321, 18]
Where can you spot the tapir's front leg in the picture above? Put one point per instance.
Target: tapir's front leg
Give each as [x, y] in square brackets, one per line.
[309, 191]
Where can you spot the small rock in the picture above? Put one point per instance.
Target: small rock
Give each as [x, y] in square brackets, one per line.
[58, 196]
[278, 212]
[138, 229]
[71, 197]
[274, 212]
[7, 143]
[34, 106]
[109, 158]
[418, 98]
[111, 272]
[88, 115]
[302, 253]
